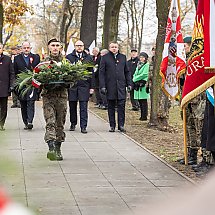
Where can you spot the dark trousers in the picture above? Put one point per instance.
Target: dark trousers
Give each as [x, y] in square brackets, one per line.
[134, 102]
[83, 113]
[210, 143]
[120, 112]
[27, 110]
[143, 108]
[3, 110]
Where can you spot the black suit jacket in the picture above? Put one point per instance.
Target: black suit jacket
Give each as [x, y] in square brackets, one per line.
[21, 66]
[81, 90]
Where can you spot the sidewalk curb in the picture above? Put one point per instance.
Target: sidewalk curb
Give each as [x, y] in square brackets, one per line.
[143, 147]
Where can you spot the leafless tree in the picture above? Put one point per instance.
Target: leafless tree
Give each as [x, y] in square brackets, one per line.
[89, 18]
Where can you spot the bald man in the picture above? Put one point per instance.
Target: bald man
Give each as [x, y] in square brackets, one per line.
[80, 92]
[23, 61]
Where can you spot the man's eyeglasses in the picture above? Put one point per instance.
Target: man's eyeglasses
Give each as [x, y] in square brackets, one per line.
[55, 45]
[79, 45]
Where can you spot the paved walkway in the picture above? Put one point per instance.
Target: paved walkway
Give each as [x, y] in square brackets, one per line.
[102, 173]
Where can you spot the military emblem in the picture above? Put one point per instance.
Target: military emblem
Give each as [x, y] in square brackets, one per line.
[197, 47]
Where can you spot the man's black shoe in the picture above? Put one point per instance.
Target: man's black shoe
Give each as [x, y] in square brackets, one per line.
[135, 109]
[103, 107]
[112, 129]
[14, 106]
[83, 130]
[72, 128]
[143, 118]
[26, 127]
[198, 167]
[122, 129]
[30, 126]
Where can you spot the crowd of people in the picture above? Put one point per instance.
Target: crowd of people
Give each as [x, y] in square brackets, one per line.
[113, 77]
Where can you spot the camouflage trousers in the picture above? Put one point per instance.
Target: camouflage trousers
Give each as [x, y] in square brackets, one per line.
[54, 109]
[207, 156]
[195, 118]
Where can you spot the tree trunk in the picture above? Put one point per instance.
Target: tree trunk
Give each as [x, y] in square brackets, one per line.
[1, 20]
[162, 14]
[140, 29]
[111, 18]
[131, 6]
[89, 18]
[65, 11]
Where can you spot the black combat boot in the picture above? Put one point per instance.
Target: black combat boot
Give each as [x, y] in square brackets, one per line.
[58, 154]
[51, 153]
[193, 156]
[201, 167]
[182, 160]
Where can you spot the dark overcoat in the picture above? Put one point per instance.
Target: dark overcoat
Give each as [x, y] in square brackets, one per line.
[114, 75]
[210, 130]
[7, 76]
[81, 90]
[132, 65]
[21, 66]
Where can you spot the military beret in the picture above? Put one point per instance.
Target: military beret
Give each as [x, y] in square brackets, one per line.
[143, 54]
[133, 50]
[53, 40]
[187, 39]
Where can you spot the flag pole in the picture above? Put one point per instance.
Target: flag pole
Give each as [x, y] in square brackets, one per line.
[179, 7]
[185, 136]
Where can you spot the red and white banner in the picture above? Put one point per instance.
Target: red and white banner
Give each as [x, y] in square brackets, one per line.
[209, 28]
[37, 69]
[173, 60]
[198, 79]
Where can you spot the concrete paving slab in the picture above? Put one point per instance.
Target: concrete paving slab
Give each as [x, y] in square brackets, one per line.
[102, 173]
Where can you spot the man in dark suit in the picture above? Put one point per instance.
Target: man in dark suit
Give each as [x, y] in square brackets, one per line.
[114, 77]
[23, 61]
[80, 91]
[132, 65]
[7, 79]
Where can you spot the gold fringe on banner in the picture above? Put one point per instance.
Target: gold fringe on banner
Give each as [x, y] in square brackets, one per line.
[197, 91]
[209, 70]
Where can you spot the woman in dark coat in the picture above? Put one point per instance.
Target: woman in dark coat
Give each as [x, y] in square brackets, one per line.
[7, 78]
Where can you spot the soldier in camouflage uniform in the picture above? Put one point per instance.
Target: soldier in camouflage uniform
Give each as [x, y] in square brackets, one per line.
[207, 159]
[54, 108]
[195, 117]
